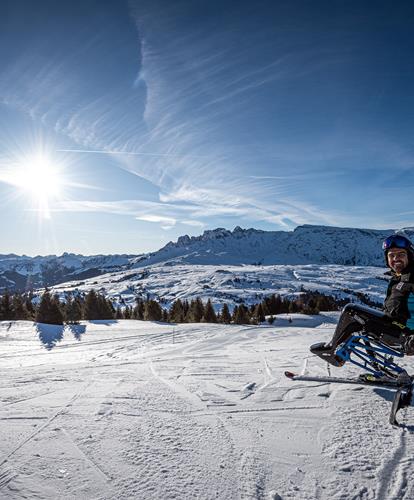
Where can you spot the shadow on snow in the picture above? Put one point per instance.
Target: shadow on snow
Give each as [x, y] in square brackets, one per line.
[76, 330]
[49, 335]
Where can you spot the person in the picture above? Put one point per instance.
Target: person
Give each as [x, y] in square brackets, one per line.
[394, 325]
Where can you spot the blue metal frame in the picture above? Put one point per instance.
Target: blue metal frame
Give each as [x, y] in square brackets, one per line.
[355, 346]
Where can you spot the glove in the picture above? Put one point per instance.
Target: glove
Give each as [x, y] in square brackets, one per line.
[409, 345]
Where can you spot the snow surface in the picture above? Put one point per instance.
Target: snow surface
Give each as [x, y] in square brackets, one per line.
[72, 262]
[307, 244]
[140, 410]
[233, 284]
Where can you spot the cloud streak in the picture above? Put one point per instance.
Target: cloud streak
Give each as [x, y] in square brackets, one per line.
[172, 129]
[212, 118]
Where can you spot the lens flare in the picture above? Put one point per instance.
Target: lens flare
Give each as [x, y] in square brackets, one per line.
[38, 176]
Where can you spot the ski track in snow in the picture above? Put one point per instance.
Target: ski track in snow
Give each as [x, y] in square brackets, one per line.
[133, 412]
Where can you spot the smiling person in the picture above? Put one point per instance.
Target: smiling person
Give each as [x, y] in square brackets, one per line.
[395, 324]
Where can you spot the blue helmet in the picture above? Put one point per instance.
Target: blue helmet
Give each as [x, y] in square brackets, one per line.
[398, 241]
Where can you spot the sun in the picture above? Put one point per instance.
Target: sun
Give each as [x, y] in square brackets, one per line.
[38, 176]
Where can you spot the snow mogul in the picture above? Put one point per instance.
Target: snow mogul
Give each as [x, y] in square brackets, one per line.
[369, 337]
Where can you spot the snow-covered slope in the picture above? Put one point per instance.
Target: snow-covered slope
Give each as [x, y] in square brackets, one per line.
[233, 284]
[305, 245]
[22, 272]
[139, 410]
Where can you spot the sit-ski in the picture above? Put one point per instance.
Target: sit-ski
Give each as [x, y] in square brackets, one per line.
[377, 358]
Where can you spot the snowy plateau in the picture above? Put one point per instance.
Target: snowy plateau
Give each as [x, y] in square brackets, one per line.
[139, 410]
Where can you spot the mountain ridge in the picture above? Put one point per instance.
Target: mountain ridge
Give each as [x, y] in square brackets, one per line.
[306, 244]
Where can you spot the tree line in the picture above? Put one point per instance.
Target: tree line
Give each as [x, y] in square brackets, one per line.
[94, 306]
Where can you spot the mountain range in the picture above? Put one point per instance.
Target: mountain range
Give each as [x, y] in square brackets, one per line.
[306, 244]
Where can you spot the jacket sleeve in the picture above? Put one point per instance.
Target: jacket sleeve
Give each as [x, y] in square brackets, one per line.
[387, 306]
[397, 301]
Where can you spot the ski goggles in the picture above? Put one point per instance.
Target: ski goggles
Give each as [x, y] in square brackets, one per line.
[396, 241]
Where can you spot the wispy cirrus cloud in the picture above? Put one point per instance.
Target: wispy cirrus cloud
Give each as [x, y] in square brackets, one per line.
[223, 120]
[196, 206]
[166, 215]
[174, 151]
[165, 222]
[170, 126]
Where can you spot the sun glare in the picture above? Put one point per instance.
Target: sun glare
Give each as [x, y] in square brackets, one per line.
[40, 177]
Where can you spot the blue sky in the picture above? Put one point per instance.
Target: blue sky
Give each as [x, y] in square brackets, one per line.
[156, 119]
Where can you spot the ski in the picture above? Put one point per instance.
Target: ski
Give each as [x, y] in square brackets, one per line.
[403, 386]
[365, 379]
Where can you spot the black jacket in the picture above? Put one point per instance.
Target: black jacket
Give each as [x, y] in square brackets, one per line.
[399, 302]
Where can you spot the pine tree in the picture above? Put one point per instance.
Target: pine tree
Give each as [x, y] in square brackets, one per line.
[258, 314]
[241, 315]
[118, 313]
[209, 313]
[195, 311]
[324, 303]
[265, 309]
[225, 316]
[91, 306]
[176, 314]
[49, 310]
[284, 306]
[127, 313]
[43, 309]
[104, 307]
[6, 309]
[186, 307]
[73, 310]
[19, 308]
[234, 314]
[57, 314]
[310, 307]
[251, 309]
[273, 304]
[293, 307]
[152, 311]
[138, 311]
[321, 303]
[31, 313]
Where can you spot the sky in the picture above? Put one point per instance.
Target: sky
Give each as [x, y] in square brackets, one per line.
[127, 124]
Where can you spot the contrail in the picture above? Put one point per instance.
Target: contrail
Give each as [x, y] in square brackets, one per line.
[93, 151]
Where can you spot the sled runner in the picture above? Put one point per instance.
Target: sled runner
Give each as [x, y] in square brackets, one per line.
[377, 358]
